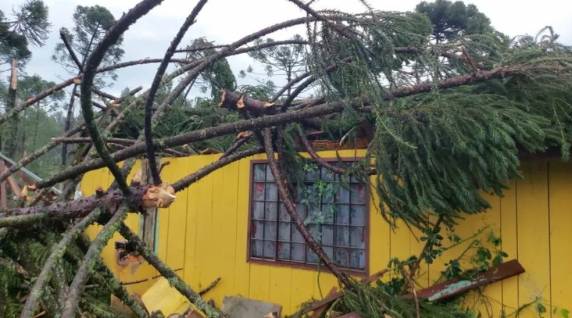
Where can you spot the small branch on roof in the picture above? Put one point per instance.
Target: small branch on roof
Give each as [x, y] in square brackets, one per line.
[315, 156]
[241, 139]
[210, 286]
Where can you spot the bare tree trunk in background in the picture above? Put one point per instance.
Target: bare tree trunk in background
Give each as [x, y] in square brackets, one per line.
[67, 124]
[11, 133]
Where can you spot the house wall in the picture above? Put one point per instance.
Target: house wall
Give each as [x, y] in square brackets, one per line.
[203, 235]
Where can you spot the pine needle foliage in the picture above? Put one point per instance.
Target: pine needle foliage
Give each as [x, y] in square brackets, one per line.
[435, 153]
[23, 253]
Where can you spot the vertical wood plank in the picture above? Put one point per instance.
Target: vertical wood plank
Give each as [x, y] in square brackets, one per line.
[379, 235]
[493, 293]
[174, 218]
[241, 265]
[192, 256]
[509, 235]
[560, 184]
[533, 239]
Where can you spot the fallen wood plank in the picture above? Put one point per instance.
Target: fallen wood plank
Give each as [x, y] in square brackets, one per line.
[455, 287]
[319, 311]
[350, 315]
[331, 298]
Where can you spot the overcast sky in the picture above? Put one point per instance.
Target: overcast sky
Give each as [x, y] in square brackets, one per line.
[224, 21]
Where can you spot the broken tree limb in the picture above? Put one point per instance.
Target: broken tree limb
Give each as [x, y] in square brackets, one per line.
[81, 207]
[236, 101]
[190, 20]
[90, 260]
[291, 209]
[239, 141]
[168, 274]
[106, 277]
[18, 220]
[210, 286]
[223, 161]
[90, 69]
[315, 156]
[58, 251]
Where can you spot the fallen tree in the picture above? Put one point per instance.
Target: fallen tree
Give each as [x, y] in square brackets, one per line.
[443, 121]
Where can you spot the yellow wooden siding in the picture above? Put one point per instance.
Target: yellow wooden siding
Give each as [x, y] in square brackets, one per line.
[205, 234]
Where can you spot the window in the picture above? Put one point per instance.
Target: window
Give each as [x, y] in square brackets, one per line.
[333, 207]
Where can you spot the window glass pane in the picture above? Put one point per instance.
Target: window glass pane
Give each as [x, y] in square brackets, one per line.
[315, 232]
[343, 195]
[358, 193]
[327, 174]
[269, 175]
[270, 230]
[312, 257]
[300, 194]
[257, 230]
[342, 236]
[271, 192]
[259, 171]
[301, 209]
[329, 211]
[312, 174]
[334, 212]
[269, 249]
[314, 216]
[258, 191]
[284, 251]
[327, 235]
[258, 213]
[329, 196]
[358, 216]
[357, 237]
[271, 211]
[357, 259]
[298, 252]
[341, 257]
[284, 216]
[343, 215]
[256, 248]
[296, 236]
[329, 251]
[284, 232]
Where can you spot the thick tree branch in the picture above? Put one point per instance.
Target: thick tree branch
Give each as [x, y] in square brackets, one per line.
[156, 178]
[90, 260]
[291, 209]
[57, 252]
[168, 274]
[91, 65]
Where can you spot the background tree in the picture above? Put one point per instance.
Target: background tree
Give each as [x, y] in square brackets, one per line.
[285, 61]
[36, 125]
[28, 25]
[453, 19]
[90, 25]
[217, 76]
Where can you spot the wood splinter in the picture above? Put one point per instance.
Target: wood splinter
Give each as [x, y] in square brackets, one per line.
[159, 196]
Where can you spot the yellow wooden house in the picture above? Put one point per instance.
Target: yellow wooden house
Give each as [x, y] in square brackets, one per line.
[229, 225]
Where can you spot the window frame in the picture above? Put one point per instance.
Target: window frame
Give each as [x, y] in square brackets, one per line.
[293, 264]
